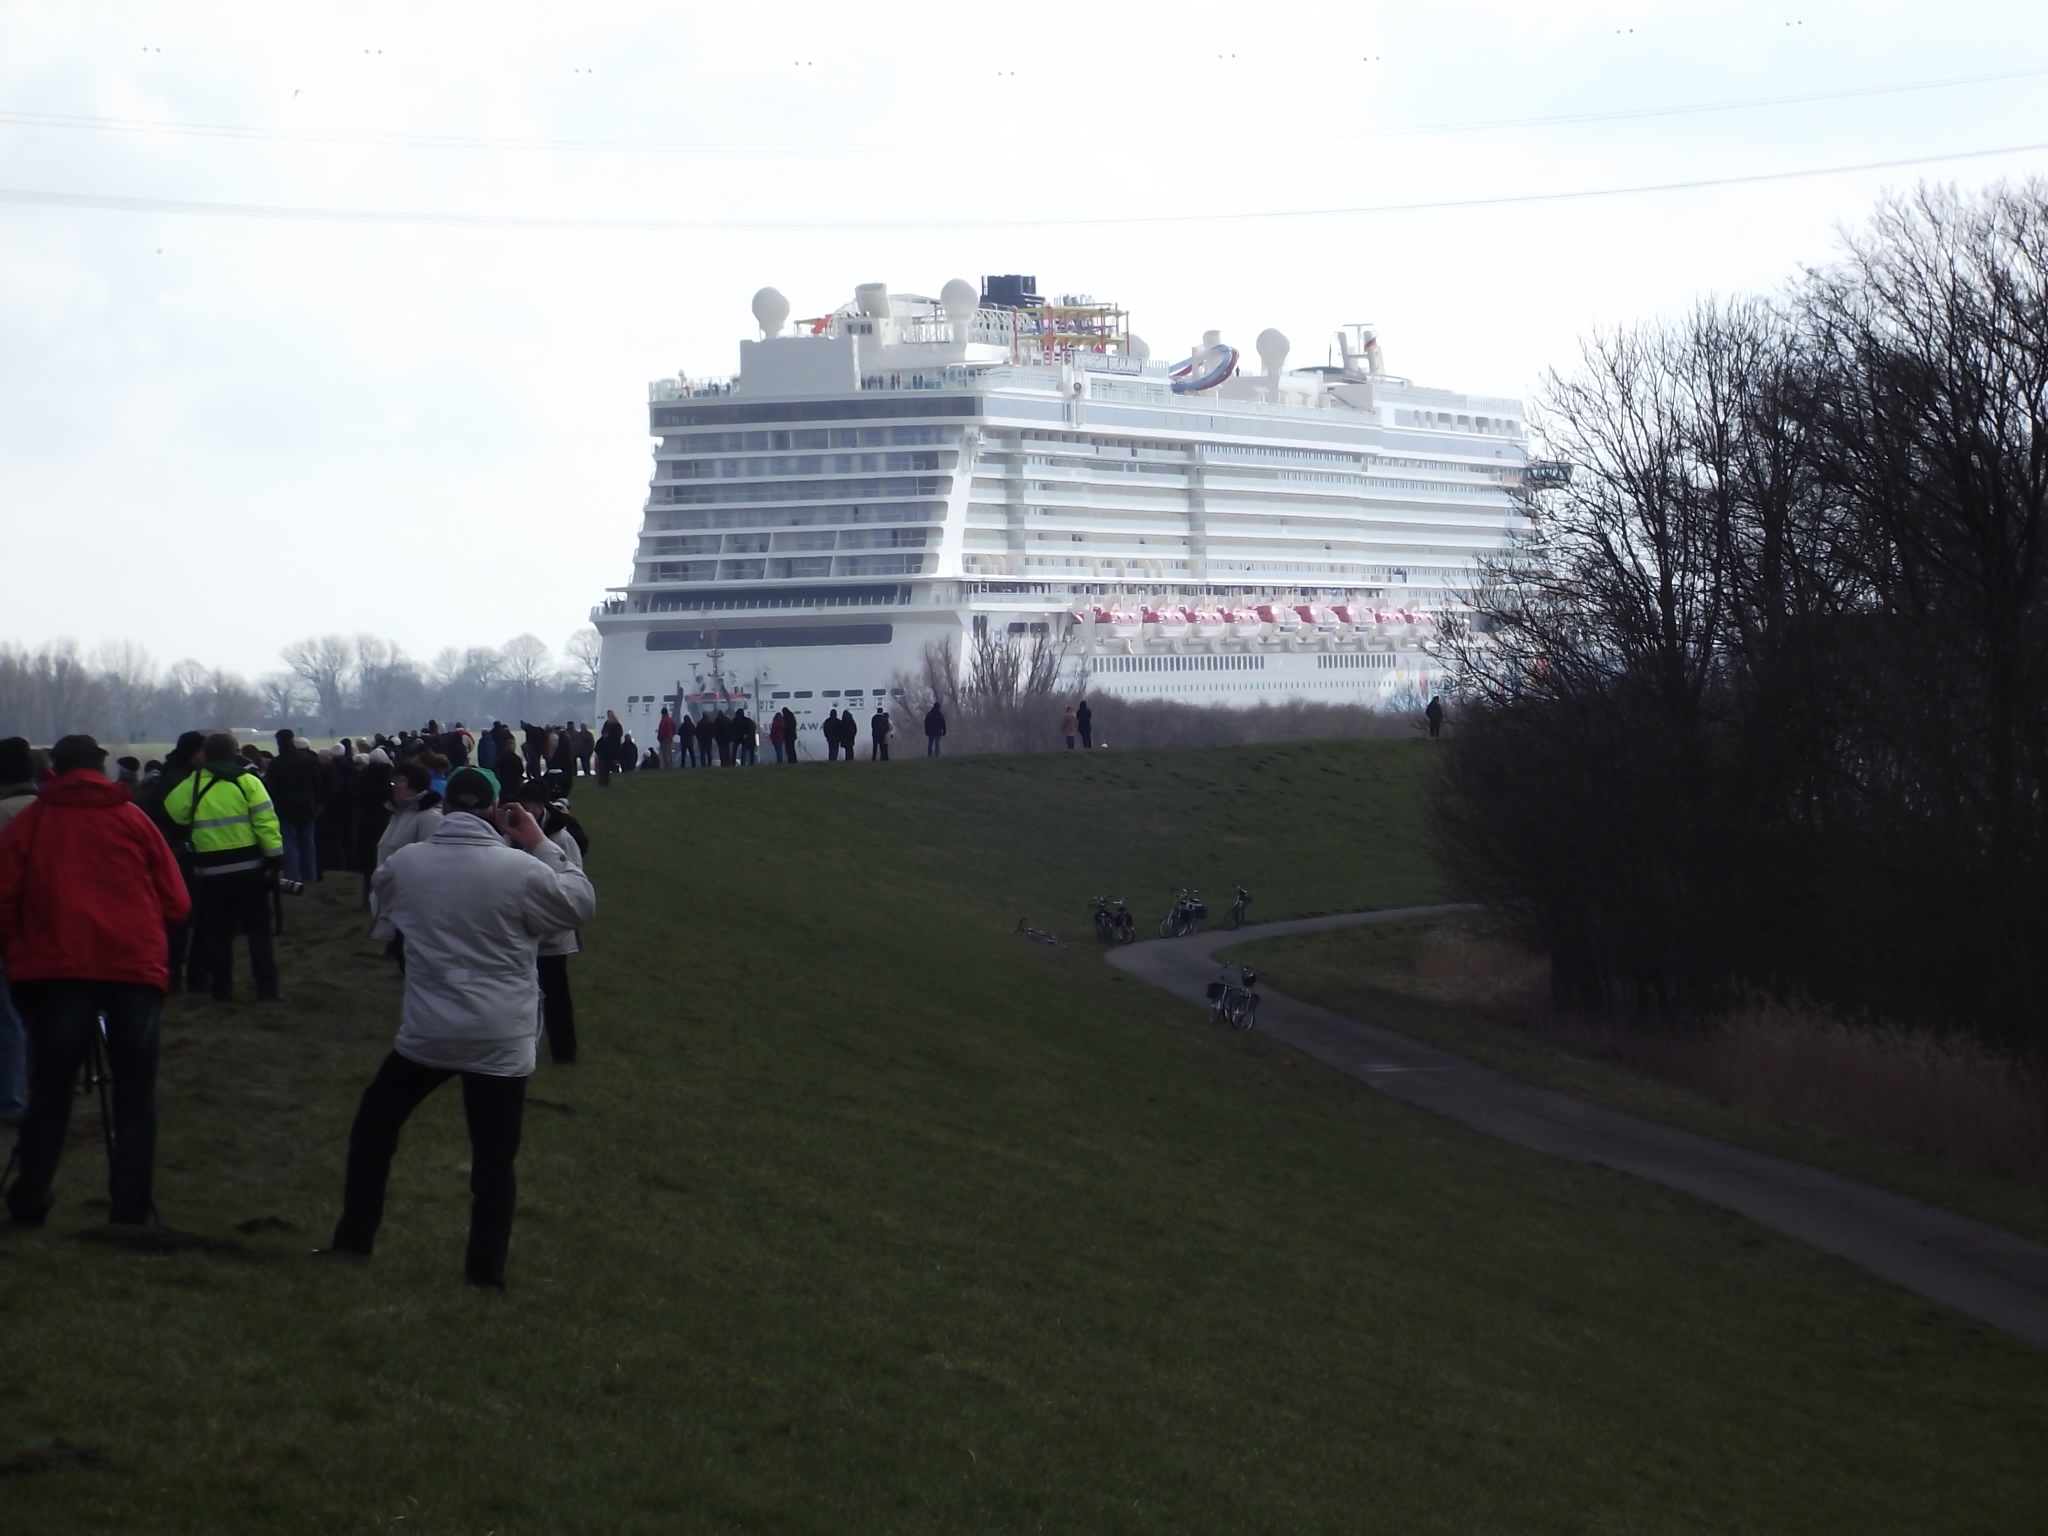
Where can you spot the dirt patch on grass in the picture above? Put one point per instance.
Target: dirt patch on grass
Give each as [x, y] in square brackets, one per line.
[57, 1456]
[161, 1240]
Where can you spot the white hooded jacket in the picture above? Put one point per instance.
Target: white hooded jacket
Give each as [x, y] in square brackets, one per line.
[474, 912]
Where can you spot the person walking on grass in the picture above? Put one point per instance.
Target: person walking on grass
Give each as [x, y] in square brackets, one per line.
[934, 729]
[222, 812]
[1084, 721]
[1070, 726]
[87, 888]
[473, 911]
[878, 735]
[788, 719]
[1435, 715]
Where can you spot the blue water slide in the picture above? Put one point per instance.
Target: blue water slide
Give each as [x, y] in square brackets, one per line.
[1222, 363]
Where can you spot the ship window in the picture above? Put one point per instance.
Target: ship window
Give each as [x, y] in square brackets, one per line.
[782, 695]
[853, 693]
[803, 693]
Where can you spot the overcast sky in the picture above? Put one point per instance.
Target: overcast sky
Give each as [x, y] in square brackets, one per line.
[222, 430]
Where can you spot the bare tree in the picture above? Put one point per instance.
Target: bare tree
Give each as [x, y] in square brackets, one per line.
[585, 650]
[283, 697]
[325, 664]
[128, 674]
[528, 665]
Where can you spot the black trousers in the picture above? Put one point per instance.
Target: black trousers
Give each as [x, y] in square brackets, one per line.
[231, 904]
[557, 1008]
[62, 1017]
[494, 1108]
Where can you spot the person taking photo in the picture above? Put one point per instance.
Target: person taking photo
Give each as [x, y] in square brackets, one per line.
[473, 912]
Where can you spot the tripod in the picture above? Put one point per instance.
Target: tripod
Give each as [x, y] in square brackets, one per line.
[94, 1078]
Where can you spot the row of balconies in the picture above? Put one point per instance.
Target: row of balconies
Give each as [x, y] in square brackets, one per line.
[788, 543]
[802, 567]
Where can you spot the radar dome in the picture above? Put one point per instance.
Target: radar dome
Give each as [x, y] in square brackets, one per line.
[1272, 347]
[959, 299]
[771, 310]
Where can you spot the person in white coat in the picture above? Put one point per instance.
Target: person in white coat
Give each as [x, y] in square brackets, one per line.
[473, 911]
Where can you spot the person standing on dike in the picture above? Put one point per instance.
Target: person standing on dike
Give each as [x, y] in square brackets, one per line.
[609, 741]
[474, 912]
[87, 888]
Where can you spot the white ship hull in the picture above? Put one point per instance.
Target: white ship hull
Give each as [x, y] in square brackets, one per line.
[885, 485]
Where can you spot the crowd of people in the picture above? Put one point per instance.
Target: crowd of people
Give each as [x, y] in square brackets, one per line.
[117, 888]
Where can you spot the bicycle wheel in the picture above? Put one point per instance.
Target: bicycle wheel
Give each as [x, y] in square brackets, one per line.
[1130, 930]
[1166, 926]
[1251, 1015]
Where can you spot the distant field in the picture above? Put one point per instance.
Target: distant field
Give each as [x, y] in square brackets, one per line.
[863, 1214]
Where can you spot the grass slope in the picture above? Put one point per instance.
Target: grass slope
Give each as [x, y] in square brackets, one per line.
[862, 1214]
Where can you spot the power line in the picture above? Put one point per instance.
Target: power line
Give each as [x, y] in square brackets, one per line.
[169, 205]
[25, 119]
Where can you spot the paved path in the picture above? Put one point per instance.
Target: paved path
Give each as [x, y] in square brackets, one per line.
[1979, 1270]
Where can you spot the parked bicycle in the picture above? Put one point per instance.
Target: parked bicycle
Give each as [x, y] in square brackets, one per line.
[1232, 1000]
[1186, 915]
[1113, 921]
[1239, 908]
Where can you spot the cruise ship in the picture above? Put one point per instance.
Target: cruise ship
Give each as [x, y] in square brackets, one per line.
[994, 465]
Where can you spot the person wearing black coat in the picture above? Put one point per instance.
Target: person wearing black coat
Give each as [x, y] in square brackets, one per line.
[934, 729]
[370, 792]
[608, 743]
[293, 779]
[878, 731]
[789, 733]
[706, 736]
[721, 732]
[1084, 717]
[188, 960]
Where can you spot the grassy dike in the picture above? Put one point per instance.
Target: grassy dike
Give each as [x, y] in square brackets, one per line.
[863, 1214]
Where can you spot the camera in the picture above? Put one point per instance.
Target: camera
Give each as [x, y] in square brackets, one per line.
[291, 887]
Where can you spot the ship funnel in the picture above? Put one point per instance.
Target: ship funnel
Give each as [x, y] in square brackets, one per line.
[959, 299]
[771, 311]
[1272, 347]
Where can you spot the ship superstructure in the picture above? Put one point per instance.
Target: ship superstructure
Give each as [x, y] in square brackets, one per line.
[905, 471]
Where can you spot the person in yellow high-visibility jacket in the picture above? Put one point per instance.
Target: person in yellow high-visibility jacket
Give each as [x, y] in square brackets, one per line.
[232, 844]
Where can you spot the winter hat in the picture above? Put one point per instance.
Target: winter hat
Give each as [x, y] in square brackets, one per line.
[17, 763]
[79, 751]
[188, 743]
[471, 789]
[379, 755]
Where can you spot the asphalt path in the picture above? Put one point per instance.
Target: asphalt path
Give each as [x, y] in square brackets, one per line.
[1981, 1271]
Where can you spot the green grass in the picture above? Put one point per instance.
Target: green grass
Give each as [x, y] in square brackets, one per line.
[1362, 972]
[863, 1214]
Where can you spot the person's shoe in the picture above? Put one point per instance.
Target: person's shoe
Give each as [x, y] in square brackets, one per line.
[487, 1282]
[348, 1255]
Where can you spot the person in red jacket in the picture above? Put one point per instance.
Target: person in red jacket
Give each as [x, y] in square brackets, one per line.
[87, 888]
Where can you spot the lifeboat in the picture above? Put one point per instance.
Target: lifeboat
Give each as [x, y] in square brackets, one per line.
[1208, 623]
[1285, 621]
[1166, 623]
[1319, 619]
[1243, 623]
[1118, 623]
